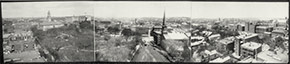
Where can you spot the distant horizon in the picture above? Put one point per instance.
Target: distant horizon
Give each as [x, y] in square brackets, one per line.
[147, 9]
[162, 17]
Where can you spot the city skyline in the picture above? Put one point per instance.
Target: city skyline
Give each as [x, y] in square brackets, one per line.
[149, 9]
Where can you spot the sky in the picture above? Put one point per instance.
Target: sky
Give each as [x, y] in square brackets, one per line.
[148, 9]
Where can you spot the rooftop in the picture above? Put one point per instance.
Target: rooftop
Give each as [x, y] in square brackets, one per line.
[227, 40]
[220, 60]
[246, 35]
[262, 27]
[214, 35]
[175, 35]
[251, 45]
[27, 56]
[279, 31]
[247, 60]
[281, 21]
[211, 52]
[267, 56]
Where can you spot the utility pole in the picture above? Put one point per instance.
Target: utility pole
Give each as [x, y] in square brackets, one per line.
[189, 39]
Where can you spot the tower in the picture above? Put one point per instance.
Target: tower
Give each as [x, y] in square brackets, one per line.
[48, 18]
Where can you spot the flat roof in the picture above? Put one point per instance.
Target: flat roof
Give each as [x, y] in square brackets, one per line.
[266, 56]
[279, 31]
[262, 27]
[251, 45]
[220, 60]
[211, 52]
[247, 60]
[283, 20]
[197, 37]
[246, 35]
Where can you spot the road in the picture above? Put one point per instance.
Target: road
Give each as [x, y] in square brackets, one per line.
[148, 54]
[43, 51]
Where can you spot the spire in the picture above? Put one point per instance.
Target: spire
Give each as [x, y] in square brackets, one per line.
[163, 23]
[48, 16]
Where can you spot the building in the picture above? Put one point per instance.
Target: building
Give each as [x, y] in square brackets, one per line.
[196, 41]
[157, 34]
[21, 35]
[262, 29]
[279, 33]
[281, 23]
[49, 25]
[241, 39]
[267, 57]
[212, 54]
[176, 36]
[6, 38]
[214, 37]
[250, 27]
[247, 36]
[267, 34]
[48, 18]
[142, 30]
[237, 48]
[25, 26]
[250, 49]
[220, 60]
[233, 27]
[240, 27]
[226, 44]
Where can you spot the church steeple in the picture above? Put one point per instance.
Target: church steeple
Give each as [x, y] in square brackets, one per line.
[48, 16]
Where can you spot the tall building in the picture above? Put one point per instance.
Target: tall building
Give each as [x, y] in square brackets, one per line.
[226, 44]
[243, 38]
[250, 27]
[48, 18]
[240, 27]
[237, 46]
[250, 49]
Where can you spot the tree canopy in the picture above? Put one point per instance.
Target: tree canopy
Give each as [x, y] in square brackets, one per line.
[113, 29]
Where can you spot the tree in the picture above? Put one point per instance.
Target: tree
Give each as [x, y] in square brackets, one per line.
[271, 43]
[127, 33]
[279, 43]
[86, 25]
[113, 30]
[7, 23]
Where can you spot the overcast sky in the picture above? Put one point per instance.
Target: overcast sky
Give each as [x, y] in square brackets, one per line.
[148, 9]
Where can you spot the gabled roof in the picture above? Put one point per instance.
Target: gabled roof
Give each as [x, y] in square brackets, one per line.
[175, 35]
